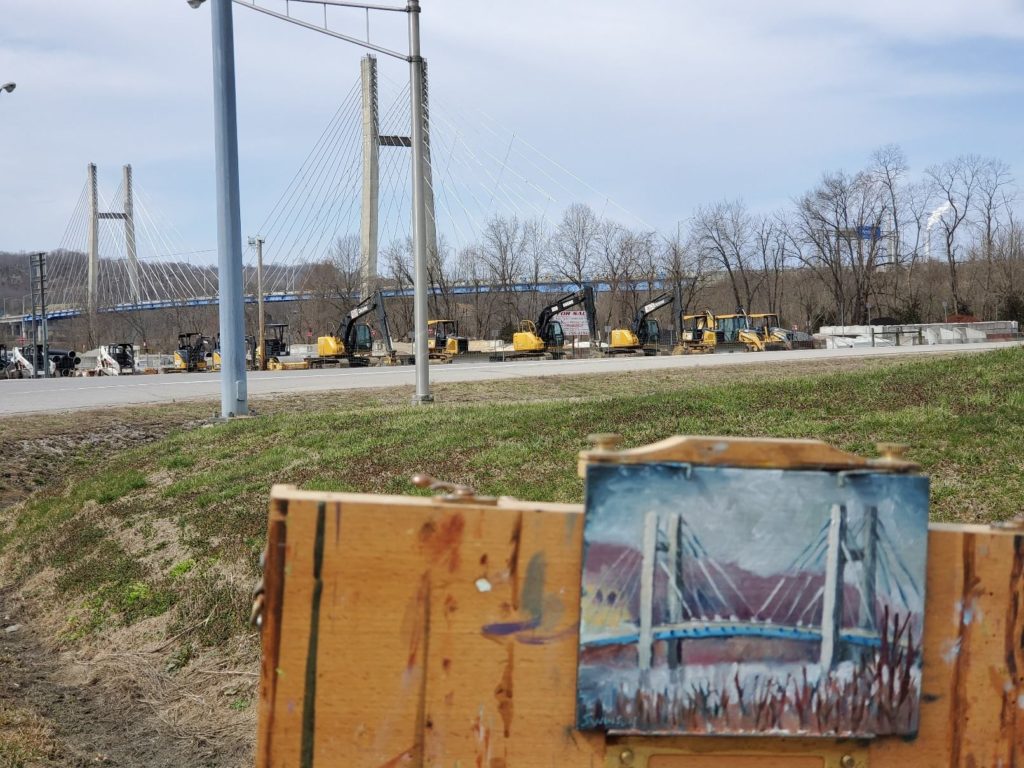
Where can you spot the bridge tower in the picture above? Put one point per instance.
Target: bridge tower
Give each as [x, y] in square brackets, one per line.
[832, 597]
[371, 179]
[372, 142]
[645, 642]
[95, 216]
[869, 565]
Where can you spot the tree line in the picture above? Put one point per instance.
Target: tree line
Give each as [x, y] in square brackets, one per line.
[858, 246]
[879, 243]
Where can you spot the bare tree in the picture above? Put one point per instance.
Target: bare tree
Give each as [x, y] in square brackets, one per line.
[537, 241]
[442, 271]
[574, 243]
[1010, 257]
[483, 300]
[889, 167]
[838, 223]
[994, 198]
[504, 253]
[346, 259]
[775, 248]
[725, 232]
[687, 266]
[614, 252]
[639, 267]
[955, 185]
[397, 257]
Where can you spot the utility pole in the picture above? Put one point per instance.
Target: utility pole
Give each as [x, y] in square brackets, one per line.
[262, 338]
[34, 339]
[37, 263]
[419, 229]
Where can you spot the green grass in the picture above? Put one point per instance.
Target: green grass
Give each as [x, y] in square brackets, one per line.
[962, 417]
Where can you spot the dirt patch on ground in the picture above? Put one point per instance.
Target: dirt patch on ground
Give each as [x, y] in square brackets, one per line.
[111, 707]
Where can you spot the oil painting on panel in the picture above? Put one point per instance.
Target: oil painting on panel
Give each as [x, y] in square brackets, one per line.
[751, 601]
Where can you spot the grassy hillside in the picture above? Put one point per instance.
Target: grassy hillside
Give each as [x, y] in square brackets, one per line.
[173, 528]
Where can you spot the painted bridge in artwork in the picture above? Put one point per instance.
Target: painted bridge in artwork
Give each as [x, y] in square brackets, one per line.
[702, 599]
[699, 630]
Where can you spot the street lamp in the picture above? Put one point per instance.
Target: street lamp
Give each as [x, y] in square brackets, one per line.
[11, 86]
[229, 227]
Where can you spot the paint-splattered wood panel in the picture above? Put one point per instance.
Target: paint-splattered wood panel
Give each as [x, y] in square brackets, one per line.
[408, 626]
[442, 627]
[972, 711]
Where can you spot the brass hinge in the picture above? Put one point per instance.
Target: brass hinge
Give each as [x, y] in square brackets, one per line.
[456, 494]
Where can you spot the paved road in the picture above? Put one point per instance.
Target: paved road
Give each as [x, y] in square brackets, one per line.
[55, 395]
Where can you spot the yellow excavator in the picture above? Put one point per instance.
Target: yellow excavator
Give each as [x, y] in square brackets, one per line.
[643, 337]
[443, 340]
[545, 339]
[354, 340]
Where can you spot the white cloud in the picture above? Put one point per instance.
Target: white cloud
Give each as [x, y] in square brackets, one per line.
[659, 104]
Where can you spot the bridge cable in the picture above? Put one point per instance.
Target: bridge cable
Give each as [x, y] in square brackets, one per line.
[277, 228]
[285, 236]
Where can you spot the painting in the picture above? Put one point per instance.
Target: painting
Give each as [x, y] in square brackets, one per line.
[723, 600]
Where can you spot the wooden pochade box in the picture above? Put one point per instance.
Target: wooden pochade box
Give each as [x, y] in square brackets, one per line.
[413, 631]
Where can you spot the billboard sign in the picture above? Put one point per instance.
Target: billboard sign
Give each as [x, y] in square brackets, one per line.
[574, 322]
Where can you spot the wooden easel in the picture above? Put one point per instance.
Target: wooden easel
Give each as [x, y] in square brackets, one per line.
[412, 631]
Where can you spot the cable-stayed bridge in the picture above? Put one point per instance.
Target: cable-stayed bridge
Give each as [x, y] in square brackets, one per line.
[848, 587]
[348, 204]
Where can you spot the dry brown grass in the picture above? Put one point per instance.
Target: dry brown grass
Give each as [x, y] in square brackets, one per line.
[25, 738]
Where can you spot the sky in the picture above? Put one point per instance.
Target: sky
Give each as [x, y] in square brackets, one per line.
[759, 519]
[658, 105]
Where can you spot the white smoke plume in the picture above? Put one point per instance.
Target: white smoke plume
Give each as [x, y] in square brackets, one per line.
[936, 215]
[934, 219]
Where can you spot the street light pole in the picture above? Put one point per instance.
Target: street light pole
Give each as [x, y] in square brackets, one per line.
[233, 388]
[233, 393]
[419, 211]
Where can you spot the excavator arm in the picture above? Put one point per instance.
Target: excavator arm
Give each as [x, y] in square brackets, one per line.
[650, 308]
[374, 303]
[640, 328]
[347, 329]
[382, 322]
